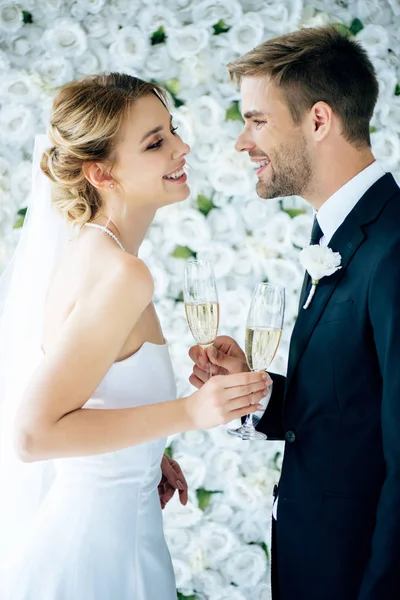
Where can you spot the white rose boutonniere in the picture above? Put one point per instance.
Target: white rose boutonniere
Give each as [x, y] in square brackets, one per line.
[319, 261]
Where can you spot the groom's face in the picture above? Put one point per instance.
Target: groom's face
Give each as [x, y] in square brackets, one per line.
[275, 144]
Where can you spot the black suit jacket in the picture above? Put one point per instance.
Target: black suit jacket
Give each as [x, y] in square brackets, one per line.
[338, 528]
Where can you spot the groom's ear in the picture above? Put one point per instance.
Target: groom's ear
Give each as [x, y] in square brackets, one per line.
[320, 120]
[98, 175]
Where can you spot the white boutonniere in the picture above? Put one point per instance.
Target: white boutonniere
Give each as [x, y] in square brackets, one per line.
[319, 262]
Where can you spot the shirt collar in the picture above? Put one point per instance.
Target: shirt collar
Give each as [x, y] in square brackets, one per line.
[338, 206]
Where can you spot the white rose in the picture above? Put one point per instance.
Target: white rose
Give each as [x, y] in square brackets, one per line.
[226, 224]
[161, 281]
[217, 542]
[222, 468]
[55, 70]
[386, 148]
[125, 8]
[25, 45]
[195, 72]
[65, 37]
[247, 566]
[320, 261]
[300, 230]
[10, 17]
[253, 527]
[195, 443]
[234, 306]
[311, 18]
[374, 11]
[94, 60]
[178, 516]
[183, 575]
[221, 256]
[208, 113]
[229, 593]
[194, 469]
[209, 582]
[243, 493]
[20, 87]
[284, 272]
[221, 54]
[187, 41]
[183, 119]
[375, 39]
[282, 17]
[78, 12]
[252, 5]
[159, 65]
[257, 212]
[129, 48]
[151, 18]
[262, 591]
[246, 33]
[210, 12]
[178, 539]
[190, 228]
[390, 114]
[98, 27]
[218, 511]
[231, 175]
[94, 6]
[21, 182]
[17, 124]
[395, 4]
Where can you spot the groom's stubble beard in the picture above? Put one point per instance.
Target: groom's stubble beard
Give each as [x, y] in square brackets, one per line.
[291, 171]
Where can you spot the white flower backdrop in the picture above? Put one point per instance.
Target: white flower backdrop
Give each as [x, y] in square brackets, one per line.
[220, 541]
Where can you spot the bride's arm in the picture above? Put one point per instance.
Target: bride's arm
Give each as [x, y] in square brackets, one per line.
[51, 422]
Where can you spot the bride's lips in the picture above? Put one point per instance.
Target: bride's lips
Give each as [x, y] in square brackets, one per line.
[177, 175]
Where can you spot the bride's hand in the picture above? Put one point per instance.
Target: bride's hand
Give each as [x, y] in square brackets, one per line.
[172, 479]
[226, 397]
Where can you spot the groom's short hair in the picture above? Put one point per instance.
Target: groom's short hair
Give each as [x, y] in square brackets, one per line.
[314, 64]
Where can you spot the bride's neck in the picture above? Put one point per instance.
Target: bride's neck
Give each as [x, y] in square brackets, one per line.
[130, 228]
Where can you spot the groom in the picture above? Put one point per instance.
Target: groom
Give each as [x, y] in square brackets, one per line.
[307, 100]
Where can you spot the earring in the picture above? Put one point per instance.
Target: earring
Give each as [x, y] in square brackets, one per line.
[111, 185]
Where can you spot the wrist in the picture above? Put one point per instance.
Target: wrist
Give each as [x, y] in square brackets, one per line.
[186, 417]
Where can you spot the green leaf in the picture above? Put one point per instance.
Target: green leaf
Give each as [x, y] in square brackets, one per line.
[168, 451]
[204, 497]
[173, 86]
[182, 597]
[372, 129]
[263, 546]
[397, 90]
[342, 29]
[220, 27]
[204, 204]
[180, 297]
[27, 17]
[183, 252]
[19, 223]
[294, 212]
[158, 37]
[233, 113]
[356, 26]
[22, 211]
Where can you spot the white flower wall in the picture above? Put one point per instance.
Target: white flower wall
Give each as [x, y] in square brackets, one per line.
[220, 541]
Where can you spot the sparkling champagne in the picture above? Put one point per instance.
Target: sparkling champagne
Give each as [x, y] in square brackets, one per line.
[261, 346]
[203, 319]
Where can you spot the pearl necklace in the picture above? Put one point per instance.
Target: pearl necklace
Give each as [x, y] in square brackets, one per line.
[107, 231]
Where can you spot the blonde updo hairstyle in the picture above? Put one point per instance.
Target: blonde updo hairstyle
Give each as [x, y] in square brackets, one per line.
[86, 121]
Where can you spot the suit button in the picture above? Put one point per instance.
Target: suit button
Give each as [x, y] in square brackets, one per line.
[290, 436]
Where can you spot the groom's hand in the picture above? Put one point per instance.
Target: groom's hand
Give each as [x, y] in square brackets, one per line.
[224, 357]
[172, 479]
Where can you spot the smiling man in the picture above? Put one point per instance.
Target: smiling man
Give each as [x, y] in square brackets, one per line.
[307, 101]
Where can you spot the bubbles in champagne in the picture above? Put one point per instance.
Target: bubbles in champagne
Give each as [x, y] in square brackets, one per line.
[261, 346]
[203, 319]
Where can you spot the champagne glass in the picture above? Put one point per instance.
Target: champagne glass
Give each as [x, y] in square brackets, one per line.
[201, 302]
[263, 334]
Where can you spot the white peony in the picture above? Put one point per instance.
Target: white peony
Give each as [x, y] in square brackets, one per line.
[65, 37]
[247, 566]
[187, 41]
[10, 17]
[246, 33]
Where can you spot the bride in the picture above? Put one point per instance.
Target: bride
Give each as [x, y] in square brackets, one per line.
[87, 389]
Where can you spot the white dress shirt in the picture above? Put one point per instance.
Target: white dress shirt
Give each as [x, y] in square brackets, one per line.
[335, 210]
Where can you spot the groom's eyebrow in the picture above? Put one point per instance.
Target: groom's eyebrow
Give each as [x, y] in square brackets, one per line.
[250, 114]
[153, 132]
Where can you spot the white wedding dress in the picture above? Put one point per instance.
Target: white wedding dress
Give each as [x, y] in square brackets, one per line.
[99, 532]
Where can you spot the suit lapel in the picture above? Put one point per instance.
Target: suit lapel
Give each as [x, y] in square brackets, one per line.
[346, 241]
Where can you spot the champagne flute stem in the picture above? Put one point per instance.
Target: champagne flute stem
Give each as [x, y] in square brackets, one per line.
[249, 422]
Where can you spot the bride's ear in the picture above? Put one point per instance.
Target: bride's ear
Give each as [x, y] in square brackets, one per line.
[98, 175]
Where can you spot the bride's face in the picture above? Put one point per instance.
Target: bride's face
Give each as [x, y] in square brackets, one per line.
[150, 158]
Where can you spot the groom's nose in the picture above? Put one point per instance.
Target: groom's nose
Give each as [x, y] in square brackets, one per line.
[244, 142]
